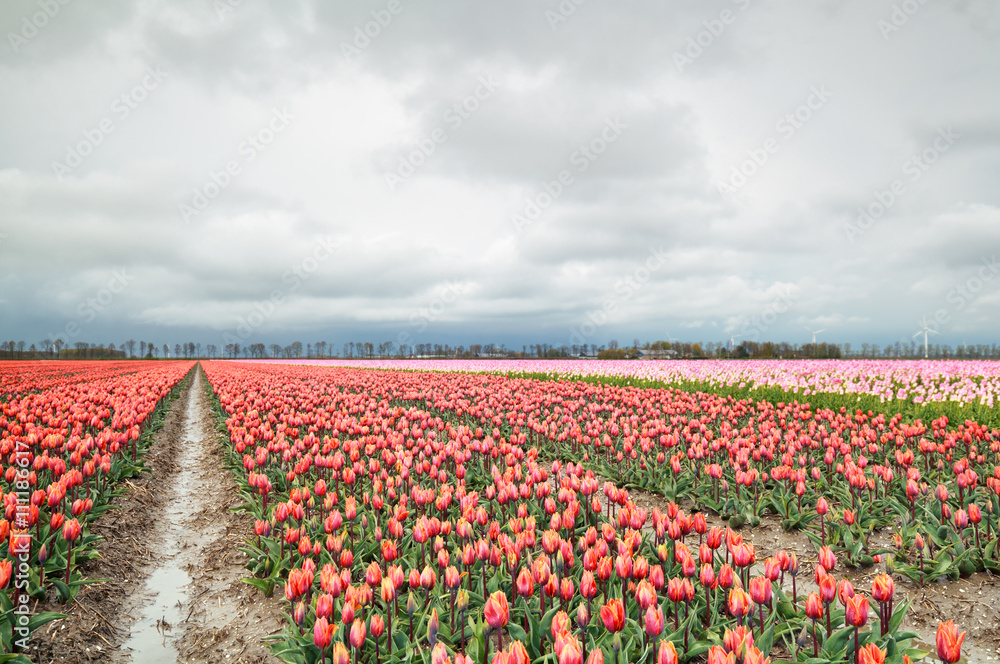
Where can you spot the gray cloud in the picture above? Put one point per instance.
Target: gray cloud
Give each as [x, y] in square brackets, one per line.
[698, 88]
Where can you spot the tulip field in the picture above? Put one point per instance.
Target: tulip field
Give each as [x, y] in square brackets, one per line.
[473, 517]
[490, 517]
[72, 432]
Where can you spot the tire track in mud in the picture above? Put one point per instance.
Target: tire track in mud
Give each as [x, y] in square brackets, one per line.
[171, 559]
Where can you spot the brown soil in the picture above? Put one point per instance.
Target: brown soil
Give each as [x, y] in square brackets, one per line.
[223, 619]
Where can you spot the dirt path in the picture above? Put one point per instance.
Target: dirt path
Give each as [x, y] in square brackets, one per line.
[171, 560]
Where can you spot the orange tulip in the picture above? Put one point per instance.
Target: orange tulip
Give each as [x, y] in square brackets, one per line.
[857, 610]
[613, 615]
[740, 603]
[5, 571]
[871, 654]
[883, 588]
[949, 642]
[717, 655]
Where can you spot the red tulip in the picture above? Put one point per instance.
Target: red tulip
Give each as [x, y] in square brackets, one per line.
[654, 621]
[739, 603]
[725, 579]
[737, 640]
[645, 595]
[340, 654]
[322, 633]
[857, 610]
[439, 654]
[949, 642]
[845, 590]
[613, 615]
[377, 625]
[760, 590]
[814, 607]
[571, 652]
[666, 653]
[6, 569]
[826, 558]
[883, 588]
[71, 530]
[525, 583]
[496, 611]
[717, 655]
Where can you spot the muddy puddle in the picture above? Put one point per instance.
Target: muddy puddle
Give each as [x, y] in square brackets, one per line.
[170, 561]
[153, 637]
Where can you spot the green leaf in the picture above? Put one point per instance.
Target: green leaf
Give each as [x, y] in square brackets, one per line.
[766, 640]
[836, 645]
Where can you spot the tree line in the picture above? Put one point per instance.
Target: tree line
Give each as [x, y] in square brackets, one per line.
[130, 349]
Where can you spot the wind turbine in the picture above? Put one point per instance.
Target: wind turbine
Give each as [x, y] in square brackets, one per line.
[924, 331]
[814, 333]
[732, 341]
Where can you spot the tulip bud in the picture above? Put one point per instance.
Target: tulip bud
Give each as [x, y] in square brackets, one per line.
[814, 607]
[299, 614]
[433, 626]
[358, 633]
[582, 616]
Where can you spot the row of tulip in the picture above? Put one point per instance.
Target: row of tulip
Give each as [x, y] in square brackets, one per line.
[897, 381]
[427, 509]
[70, 432]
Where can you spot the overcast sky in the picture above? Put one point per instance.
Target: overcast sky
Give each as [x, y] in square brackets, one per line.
[518, 171]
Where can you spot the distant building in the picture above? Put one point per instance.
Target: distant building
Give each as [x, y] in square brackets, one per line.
[657, 354]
